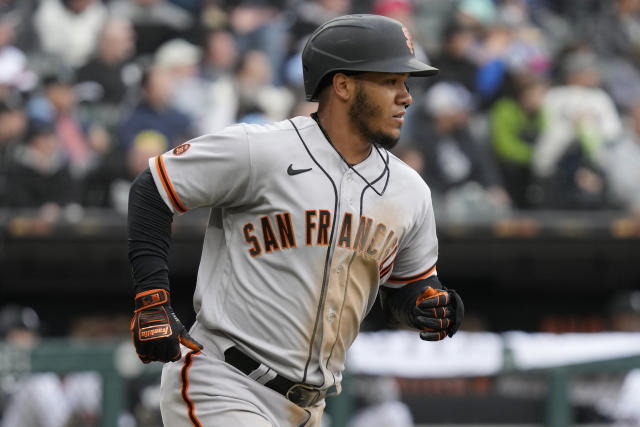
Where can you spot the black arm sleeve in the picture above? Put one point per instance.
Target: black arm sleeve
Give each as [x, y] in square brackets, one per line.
[398, 304]
[149, 234]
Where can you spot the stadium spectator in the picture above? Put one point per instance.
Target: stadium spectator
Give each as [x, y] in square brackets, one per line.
[110, 68]
[154, 112]
[19, 325]
[505, 41]
[84, 144]
[255, 92]
[580, 15]
[491, 56]
[39, 172]
[69, 29]
[454, 59]
[455, 163]
[580, 119]
[260, 25]
[35, 400]
[220, 55]
[616, 31]
[14, 69]
[479, 15]
[154, 21]
[308, 15]
[19, 14]
[13, 124]
[191, 93]
[623, 165]
[147, 144]
[516, 121]
[210, 105]
[616, 40]
[43, 399]
[400, 10]
[556, 28]
[528, 49]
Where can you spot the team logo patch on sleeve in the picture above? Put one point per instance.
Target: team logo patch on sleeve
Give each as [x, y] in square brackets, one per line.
[181, 149]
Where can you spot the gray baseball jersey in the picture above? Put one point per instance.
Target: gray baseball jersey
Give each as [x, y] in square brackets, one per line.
[298, 242]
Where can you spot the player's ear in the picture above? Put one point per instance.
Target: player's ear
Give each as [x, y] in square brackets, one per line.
[343, 86]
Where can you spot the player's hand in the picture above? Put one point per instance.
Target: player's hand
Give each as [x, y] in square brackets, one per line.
[155, 329]
[439, 313]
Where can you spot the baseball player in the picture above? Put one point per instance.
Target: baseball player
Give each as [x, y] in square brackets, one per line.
[310, 218]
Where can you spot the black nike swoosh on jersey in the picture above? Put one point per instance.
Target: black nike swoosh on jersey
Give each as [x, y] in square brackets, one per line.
[291, 171]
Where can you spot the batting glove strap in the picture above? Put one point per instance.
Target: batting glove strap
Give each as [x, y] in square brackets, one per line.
[151, 298]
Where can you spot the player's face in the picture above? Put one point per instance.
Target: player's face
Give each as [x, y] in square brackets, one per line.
[379, 105]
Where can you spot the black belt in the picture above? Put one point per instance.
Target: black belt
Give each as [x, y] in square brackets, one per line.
[303, 395]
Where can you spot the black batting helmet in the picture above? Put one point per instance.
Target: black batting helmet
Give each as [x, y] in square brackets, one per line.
[359, 43]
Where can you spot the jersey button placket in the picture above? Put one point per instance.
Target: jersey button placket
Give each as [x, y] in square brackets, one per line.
[350, 181]
[347, 192]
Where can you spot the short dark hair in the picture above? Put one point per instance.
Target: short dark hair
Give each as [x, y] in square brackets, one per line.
[328, 79]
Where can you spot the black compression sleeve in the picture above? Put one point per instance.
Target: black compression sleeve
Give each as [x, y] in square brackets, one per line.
[398, 303]
[149, 232]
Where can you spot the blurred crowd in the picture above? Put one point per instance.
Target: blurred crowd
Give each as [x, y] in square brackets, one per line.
[536, 106]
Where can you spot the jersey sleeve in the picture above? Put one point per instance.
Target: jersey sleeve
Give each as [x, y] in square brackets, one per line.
[211, 170]
[418, 252]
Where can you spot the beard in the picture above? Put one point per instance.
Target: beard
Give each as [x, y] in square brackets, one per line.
[362, 113]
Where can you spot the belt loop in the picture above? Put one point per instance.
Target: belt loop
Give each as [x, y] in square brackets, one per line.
[258, 372]
[266, 376]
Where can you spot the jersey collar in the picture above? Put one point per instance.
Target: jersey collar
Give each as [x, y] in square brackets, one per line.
[374, 170]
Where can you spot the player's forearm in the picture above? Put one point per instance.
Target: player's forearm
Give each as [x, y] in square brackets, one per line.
[149, 234]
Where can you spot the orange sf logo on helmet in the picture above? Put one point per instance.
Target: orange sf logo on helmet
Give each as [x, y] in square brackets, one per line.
[407, 34]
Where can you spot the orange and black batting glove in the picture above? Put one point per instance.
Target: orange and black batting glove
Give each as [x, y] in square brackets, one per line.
[438, 313]
[155, 329]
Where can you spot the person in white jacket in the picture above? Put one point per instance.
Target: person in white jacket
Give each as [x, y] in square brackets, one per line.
[580, 120]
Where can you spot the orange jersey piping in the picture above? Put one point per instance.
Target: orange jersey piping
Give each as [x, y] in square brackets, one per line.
[175, 201]
[413, 278]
